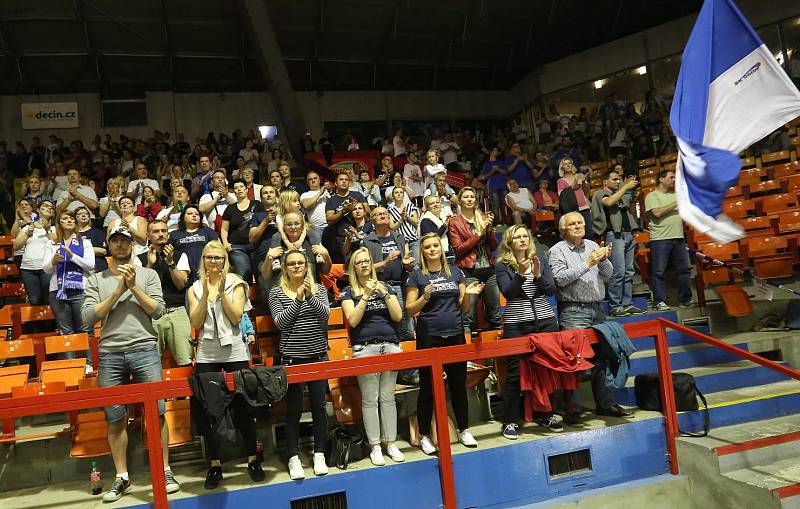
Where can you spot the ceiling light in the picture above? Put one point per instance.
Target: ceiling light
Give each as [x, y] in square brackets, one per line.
[641, 71]
[599, 84]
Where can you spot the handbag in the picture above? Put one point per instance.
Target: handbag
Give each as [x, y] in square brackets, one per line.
[343, 447]
[648, 396]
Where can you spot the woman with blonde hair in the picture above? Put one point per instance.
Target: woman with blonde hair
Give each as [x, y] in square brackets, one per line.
[300, 310]
[217, 301]
[109, 204]
[525, 281]
[473, 239]
[373, 313]
[570, 178]
[439, 293]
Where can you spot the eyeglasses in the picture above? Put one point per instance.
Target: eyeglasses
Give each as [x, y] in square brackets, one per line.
[363, 262]
[295, 264]
[214, 258]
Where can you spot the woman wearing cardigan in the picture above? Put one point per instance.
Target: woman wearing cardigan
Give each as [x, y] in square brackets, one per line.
[525, 281]
[472, 237]
[300, 309]
[216, 305]
[373, 312]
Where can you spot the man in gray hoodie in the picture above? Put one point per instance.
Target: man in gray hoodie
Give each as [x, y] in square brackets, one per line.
[127, 299]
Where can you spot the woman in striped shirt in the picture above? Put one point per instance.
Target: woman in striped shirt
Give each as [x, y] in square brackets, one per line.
[300, 309]
[404, 219]
[525, 281]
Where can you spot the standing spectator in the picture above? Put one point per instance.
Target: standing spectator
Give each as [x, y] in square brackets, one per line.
[190, 238]
[216, 306]
[201, 183]
[369, 188]
[571, 179]
[580, 268]
[236, 228]
[253, 189]
[338, 211]
[300, 309]
[412, 174]
[494, 173]
[127, 299]
[150, 207]
[286, 179]
[69, 260]
[450, 149]
[398, 143]
[136, 225]
[433, 167]
[448, 197]
[262, 226]
[567, 150]
[404, 219]
[373, 331]
[172, 213]
[76, 194]
[525, 280]
[97, 236]
[353, 145]
[214, 203]
[518, 167]
[249, 155]
[109, 204]
[473, 239]
[667, 243]
[385, 175]
[25, 215]
[326, 147]
[439, 294]
[614, 222]
[136, 187]
[434, 221]
[35, 194]
[313, 202]
[356, 233]
[34, 238]
[173, 329]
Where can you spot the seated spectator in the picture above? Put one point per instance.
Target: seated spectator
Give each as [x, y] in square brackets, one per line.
[216, 306]
[372, 311]
[521, 202]
[34, 239]
[300, 309]
[545, 198]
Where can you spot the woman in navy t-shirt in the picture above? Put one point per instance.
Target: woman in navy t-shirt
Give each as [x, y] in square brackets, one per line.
[373, 313]
[439, 293]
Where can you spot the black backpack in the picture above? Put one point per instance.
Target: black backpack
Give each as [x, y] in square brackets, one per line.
[567, 202]
[648, 396]
[343, 447]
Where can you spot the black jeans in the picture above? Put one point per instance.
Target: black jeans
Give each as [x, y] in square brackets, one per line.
[512, 394]
[243, 415]
[456, 380]
[294, 408]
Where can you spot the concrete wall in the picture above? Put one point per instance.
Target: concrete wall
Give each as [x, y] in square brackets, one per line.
[634, 50]
[196, 114]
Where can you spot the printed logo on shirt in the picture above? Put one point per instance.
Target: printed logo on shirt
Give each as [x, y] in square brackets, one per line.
[193, 238]
[443, 284]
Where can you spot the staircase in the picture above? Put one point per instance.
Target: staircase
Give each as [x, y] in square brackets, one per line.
[751, 458]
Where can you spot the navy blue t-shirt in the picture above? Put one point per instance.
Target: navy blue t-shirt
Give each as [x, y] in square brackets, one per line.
[441, 316]
[394, 271]
[264, 243]
[192, 244]
[376, 322]
[334, 203]
[521, 173]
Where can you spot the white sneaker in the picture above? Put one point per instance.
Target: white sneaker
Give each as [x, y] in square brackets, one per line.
[467, 440]
[394, 452]
[88, 370]
[276, 265]
[376, 456]
[427, 446]
[320, 467]
[296, 468]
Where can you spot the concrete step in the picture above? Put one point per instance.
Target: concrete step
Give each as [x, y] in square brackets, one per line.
[639, 302]
[715, 378]
[746, 404]
[781, 478]
[650, 315]
[682, 357]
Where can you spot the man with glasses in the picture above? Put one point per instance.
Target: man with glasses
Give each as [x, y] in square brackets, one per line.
[127, 299]
[392, 258]
[580, 268]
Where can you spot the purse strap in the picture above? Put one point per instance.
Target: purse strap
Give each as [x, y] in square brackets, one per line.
[706, 418]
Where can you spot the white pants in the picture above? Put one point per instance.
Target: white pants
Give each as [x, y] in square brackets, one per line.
[378, 388]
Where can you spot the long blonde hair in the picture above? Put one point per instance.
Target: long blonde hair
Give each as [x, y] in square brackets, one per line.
[355, 284]
[284, 281]
[506, 249]
[285, 198]
[424, 262]
[226, 266]
[480, 222]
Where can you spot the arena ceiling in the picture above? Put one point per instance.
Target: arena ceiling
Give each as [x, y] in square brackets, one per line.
[124, 48]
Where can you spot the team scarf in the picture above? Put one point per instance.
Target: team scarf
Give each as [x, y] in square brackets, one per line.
[69, 274]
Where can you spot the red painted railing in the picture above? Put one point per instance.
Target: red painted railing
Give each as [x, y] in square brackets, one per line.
[435, 358]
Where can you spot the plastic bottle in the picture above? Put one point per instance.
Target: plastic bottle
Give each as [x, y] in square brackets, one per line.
[260, 451]
[95, 480]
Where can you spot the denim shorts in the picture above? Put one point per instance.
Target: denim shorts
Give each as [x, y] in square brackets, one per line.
[117, 368]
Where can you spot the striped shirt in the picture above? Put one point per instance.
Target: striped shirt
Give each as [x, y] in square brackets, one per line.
[520, 310]
[407, 229]
[576, 282]
[303, 325]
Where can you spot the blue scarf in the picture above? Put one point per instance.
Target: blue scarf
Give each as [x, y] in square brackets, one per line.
[70, 276]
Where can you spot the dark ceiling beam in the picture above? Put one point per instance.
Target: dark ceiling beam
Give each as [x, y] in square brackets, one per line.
[167, 43]
[120, 22]
[9, 52]
[80, 15]
[262, 39]
[129, 20]
[616, 18]
[401, 35]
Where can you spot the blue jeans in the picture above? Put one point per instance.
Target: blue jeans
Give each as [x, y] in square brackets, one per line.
[406, 323]
[413, 248]
[314, 235]
[37, 285]
[67, 313]
[620, 288]
[240, 262]
[581, 316]
[490, 295]
[116, 368]
[661, 253]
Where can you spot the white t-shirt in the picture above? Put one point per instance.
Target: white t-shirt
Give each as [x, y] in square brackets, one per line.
[253, 165]
[449, 152]
[34, 247]
[134, 184]
[61, 184]
[316, 213]
[432, 171]
[112, 212]
[413, 170]
[219, 208]
[74, 203]
[399, 145]
[521, 199]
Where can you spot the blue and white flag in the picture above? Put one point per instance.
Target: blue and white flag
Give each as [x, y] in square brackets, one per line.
[731, 92]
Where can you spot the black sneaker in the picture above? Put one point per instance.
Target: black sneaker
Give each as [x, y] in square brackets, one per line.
[614, 411]
[551, 423]
[120, 487]
[171, 484]
[213, 477]
[255, 471]
[575, 419]
[618, 312]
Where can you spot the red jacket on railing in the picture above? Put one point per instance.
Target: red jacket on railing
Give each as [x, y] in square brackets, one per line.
[464, 241]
